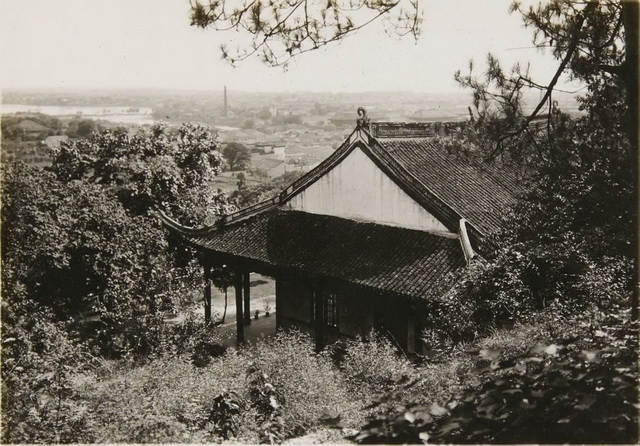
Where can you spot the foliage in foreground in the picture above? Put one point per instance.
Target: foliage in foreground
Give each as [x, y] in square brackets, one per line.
[578, 390]
[281, 388]
[265, 393]
[82, 238]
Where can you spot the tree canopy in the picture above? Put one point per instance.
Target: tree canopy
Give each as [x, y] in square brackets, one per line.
[83, 237]
[238, 155]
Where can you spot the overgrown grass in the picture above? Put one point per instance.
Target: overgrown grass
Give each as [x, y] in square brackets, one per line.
[169, 400]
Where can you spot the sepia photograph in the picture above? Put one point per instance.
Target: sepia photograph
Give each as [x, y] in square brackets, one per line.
[319, 221]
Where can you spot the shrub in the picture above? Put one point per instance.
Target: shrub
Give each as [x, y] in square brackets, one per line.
[224, 414]
[579, 389]
[276, 389]
[267, 401]
[309, 384]
[40, 366]
[373, 365]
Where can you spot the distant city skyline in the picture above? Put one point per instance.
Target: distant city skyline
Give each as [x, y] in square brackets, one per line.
[132, 44]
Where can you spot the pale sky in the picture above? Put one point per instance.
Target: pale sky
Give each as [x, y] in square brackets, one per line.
[149, 43]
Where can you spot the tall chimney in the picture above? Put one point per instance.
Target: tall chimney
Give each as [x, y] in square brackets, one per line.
[225, 101]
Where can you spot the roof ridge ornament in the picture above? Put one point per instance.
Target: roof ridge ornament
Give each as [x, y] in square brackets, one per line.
[363, 121]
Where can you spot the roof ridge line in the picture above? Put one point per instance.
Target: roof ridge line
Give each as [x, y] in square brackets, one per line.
[224, 220]
[315, 173]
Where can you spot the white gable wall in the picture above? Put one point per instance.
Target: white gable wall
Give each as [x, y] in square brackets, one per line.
[356, 188]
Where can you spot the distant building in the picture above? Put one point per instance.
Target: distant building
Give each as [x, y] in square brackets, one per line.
[53, 142]
[277, 149]
[269, 168]
[30, 129]
[244, 136]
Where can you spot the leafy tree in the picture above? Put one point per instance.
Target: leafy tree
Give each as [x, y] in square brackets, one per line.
[242, 180]
[155, 169]
[223, 278]
[84, 237]
[82, 128]
[237, 155]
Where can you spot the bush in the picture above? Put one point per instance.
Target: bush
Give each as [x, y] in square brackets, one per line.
[268, 392]
[40, 367]
[579, 389]
[310, 386]
[373, 365]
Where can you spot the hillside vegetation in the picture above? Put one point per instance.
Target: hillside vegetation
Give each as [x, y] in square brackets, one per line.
[537, 343]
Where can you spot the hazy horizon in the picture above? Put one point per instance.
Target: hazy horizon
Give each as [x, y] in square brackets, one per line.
[130, 45]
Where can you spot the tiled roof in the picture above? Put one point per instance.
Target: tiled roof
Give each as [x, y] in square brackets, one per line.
[482, 194]
[395, 260]
[30, 125]
[268, 163]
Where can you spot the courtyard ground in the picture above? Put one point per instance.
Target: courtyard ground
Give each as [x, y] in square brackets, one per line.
[263, 297]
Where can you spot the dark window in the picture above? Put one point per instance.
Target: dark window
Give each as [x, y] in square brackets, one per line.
[329, 308]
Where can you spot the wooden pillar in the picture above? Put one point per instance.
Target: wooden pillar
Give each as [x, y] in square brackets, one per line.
[278, 288]
[318, 305]
[411, 332]
[239, 324]
[247, 297]
[207, 293]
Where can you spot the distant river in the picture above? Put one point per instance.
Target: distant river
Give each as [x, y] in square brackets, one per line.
[123, 114]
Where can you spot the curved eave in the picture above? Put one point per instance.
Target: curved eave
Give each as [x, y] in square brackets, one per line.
[172, 224]
[223, 221]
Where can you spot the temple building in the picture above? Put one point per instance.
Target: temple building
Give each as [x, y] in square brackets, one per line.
[387, 222]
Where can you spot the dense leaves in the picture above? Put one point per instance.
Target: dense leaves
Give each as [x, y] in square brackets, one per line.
[238, 155]
[265, 393]
[156, 169]
[83, 238]
[579, 390]
[569, 241]
[87, 269]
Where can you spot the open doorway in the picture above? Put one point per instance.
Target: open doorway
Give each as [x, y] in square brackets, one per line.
[262, 308]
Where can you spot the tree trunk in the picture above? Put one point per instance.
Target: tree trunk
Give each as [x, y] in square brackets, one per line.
[630, 11]
[224, 315]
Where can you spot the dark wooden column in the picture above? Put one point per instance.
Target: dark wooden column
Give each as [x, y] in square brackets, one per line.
[246, 279]
[239, 324]
[207, 293]
[278, 313]
[318, 305]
